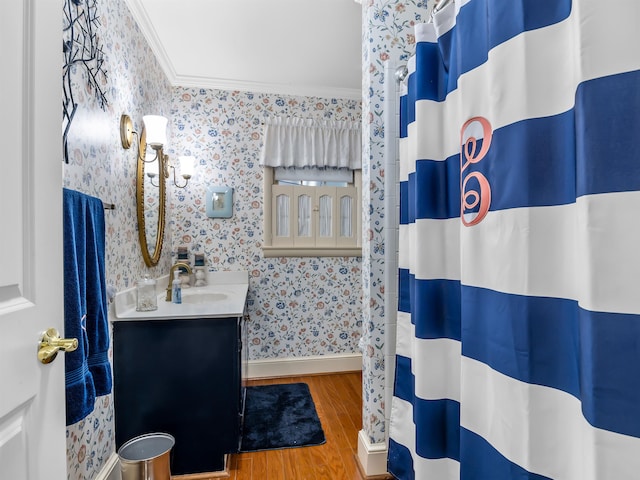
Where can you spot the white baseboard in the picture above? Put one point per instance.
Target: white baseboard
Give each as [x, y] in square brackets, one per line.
[111, 469]
[372, 456]
[285, 367]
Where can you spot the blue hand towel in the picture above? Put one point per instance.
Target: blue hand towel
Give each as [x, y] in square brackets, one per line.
[80, 390]
[97, 319]
[87, 370]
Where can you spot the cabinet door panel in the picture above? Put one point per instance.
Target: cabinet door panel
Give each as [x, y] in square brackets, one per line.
[180, 377]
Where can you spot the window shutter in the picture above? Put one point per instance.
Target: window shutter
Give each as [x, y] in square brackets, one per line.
[281, 219]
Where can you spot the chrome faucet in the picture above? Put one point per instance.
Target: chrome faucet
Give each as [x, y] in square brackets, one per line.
[173, 269]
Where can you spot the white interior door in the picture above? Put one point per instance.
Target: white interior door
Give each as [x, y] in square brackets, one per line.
[32, 415]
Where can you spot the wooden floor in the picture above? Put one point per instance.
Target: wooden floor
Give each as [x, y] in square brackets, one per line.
[338, 400]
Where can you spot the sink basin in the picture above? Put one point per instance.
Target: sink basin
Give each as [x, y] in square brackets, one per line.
[224, 296]
[203, 297]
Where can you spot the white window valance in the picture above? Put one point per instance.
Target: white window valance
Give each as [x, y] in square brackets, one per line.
[300, 142]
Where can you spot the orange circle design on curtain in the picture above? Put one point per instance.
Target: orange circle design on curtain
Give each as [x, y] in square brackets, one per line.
[471, 154]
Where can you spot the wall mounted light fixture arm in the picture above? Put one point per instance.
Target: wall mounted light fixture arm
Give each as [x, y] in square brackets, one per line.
[127, 134]
[186, 167]
[175, 180]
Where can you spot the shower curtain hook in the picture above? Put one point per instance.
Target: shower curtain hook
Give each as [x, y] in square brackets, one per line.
[436, 7]
[401, 73]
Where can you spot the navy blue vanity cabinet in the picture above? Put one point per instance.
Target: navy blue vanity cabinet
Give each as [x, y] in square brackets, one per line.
[182, 377]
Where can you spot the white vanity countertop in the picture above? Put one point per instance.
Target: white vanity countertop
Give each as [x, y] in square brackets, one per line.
[224, 296]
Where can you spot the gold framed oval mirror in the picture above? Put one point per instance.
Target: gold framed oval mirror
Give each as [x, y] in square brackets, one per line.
[150, 202]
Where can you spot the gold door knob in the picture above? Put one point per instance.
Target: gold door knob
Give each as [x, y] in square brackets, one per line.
[51, 343]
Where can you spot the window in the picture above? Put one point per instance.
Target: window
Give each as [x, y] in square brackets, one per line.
[311, 188]
[311, 213]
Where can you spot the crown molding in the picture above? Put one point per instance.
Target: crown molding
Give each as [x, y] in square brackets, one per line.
[141, 17]
[272, 88]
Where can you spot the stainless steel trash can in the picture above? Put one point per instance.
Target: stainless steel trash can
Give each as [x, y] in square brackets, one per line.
[146, 457]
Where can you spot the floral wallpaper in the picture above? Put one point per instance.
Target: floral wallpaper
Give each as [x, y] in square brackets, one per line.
[98, 165]
[90, 441]
[297, 306]
[387, 36]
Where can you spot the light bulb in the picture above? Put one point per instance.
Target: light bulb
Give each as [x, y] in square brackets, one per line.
[187, 166]
[156, 130]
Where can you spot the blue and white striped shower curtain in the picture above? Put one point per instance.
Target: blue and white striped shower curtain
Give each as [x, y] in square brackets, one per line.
[518, 336]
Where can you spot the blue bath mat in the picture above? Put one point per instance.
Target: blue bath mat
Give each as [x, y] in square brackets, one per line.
[280, 416]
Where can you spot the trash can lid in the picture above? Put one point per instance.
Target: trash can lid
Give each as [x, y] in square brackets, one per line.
[146, 447]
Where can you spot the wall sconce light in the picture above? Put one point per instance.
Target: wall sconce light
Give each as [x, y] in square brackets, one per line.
[156, 129]
[187, 164]
[154, 135]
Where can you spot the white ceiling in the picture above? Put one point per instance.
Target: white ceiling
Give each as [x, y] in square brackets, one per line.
[296, 47]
